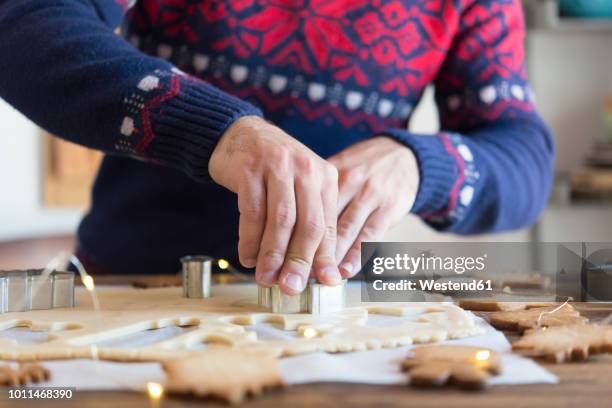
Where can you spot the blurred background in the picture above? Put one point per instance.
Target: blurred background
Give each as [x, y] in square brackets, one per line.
[45, 182]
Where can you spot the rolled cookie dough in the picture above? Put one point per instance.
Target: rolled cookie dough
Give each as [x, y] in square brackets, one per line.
[221, 319]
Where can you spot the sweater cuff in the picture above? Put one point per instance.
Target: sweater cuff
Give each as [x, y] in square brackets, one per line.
[438, 171]
[180, 120]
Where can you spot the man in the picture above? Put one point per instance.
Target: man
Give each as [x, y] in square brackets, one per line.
[297, 107]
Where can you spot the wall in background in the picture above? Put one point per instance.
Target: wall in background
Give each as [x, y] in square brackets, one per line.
[21, 211]
[571, 74]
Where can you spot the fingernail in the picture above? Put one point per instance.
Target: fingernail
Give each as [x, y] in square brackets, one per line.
[294, 282]
[268, 278]
[250, 263]
[331, 275]
[348, 268]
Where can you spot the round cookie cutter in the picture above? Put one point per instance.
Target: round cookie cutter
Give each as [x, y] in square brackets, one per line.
[197, 270]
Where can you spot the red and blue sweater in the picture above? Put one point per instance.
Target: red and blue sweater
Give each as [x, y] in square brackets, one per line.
[331, 73]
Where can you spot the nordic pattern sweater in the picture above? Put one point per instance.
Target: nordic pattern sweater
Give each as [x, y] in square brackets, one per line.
[157, 98]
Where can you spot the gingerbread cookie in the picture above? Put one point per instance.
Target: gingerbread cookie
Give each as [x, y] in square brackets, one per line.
[23, 375]
[566, 343]
[224, 373]
[436, 366]
[522, 320]
[485, 305]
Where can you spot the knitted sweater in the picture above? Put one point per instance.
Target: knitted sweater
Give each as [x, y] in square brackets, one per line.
[157, 95]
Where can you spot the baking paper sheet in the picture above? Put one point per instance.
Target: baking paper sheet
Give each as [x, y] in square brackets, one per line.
[371, 367]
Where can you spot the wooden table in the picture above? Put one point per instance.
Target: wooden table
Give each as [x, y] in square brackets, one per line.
[583, 384]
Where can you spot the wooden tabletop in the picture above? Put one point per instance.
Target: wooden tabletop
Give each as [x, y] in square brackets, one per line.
[583, 384]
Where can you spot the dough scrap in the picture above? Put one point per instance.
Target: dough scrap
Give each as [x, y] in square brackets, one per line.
[565, 343]
[436, 366]
[222, 372]
[522, 320]
[221, 320]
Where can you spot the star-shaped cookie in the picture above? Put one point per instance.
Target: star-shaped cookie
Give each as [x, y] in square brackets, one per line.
[436, 366]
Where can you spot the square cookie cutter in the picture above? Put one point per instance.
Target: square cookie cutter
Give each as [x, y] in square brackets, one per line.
[316, 298]
[25, 290]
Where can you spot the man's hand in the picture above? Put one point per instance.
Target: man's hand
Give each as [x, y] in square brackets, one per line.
[379, 180]
[287, 198]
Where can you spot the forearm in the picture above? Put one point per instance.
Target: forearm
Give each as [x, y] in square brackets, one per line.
[493, 178]
[65, 69]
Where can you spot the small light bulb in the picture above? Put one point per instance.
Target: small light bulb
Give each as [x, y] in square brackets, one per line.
[155, 390]
[223, 264]
[309, 333]
[88, 282]
[483, 355]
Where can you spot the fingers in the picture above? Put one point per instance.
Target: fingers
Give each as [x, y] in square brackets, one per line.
[280, 220]
[309, 230]
[351, 222]
[351, 179]
[348, 187]
[373, 230]
[325, 267]
[252, 208]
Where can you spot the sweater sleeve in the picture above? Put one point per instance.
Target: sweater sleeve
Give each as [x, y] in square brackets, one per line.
[64, 67]
[490, 168]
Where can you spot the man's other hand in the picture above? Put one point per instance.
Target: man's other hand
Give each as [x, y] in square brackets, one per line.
[379, 180]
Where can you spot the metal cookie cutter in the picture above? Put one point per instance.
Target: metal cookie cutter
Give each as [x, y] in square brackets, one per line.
[196, 276]
[26, 290]
[315, 299]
